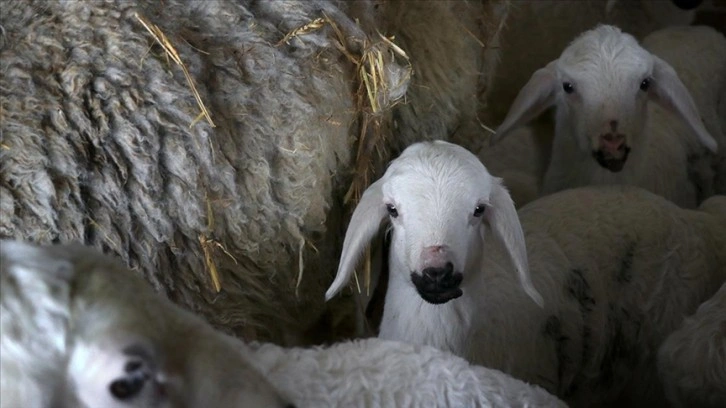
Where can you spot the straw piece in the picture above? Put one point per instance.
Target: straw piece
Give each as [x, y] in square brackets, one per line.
[172, 53]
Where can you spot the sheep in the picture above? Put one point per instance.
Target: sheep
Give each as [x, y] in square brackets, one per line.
[99, 141]
[574, 293]
[383, 373]
[606, 131]
[692, 360]
[81, 330]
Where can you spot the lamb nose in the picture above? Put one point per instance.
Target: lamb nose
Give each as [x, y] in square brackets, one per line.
[438, 274]
[612, 141]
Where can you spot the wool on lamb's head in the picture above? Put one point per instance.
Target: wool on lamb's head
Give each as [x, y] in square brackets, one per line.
[601, 86]
[80, 330]
[440, 201]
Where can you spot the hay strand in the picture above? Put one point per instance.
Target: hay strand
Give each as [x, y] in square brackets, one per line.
[314, 25]
[172, 53]
[208, 245]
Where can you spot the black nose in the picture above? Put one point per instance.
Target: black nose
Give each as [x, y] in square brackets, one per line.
[438, 274]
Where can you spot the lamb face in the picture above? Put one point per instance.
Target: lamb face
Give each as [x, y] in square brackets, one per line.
[113, 341]
[440, 202]
[601, 86]
[436, 207]
[604, 108]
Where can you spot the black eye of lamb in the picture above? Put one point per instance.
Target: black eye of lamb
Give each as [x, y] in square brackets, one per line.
[131, 384]
[479, 210]
[645, 84]
[392, 211]
[568, 87]
[128, 387]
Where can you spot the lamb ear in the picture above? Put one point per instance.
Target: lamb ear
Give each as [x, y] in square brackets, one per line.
[504, 221]
[535, 97]
[669, 92]
[364, 225]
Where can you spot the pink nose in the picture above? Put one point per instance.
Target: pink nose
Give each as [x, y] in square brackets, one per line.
[434, 256]
[612, 142]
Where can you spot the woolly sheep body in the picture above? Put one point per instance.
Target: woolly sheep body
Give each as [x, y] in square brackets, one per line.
[381, 373]
[606, 66]
[616, 266]
[692, 360]
[74, 322]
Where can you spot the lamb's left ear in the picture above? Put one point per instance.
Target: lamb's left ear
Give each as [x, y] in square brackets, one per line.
[504, 221]
[669, 92]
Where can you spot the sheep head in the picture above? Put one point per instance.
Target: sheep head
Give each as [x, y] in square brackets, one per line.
[439, 200]
[601, 85]
[116, 342]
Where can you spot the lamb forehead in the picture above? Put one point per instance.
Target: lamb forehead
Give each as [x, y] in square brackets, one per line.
[427, 167]
[598, 50]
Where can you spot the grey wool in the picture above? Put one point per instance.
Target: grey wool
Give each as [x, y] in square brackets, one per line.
[100, 141]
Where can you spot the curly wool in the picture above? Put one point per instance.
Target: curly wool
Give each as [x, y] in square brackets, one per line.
[99, 148]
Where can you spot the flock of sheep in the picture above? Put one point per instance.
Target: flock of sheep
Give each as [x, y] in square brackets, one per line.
[577, 259]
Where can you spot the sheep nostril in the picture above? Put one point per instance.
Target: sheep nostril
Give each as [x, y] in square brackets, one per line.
[439, 274]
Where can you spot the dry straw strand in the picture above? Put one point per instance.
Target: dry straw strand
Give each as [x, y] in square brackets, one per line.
[314, 25]
[172, 53]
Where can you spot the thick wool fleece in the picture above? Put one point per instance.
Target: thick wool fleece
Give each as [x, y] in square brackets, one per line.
[382, 373]
[98, 147]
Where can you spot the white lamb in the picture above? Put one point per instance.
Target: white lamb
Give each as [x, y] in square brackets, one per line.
[382, 373]
[79, 330]
[607, 131]
[617, 267]
[692, 360]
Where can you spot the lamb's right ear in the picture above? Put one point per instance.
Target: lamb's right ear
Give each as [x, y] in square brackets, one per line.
[535, 97]
[504, 221]
[364, 225]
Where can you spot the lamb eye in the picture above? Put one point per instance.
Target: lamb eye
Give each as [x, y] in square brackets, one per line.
[392, 211]
[568, 87]
[131, 384]
[125, 388]
[479, 210]
[645, 84]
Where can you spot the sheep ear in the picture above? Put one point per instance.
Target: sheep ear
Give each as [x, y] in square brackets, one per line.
[504, 221]
[669, 92]
[364, 224]
[535, 97]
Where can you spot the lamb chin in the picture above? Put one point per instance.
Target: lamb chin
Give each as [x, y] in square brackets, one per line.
[439, 298]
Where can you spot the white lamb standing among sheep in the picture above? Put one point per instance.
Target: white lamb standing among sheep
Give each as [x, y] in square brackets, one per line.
[576, 298]
[81, 331]
[692, 360]
[623, 115]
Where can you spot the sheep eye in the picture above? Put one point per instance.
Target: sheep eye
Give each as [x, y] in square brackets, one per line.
[568, 87]
[125, 388]
[392, 211]
[479, 210]
[645, 84]
[132, 383]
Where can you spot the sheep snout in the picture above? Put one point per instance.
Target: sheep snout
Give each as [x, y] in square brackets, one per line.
[438, 285]
[613, 152]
